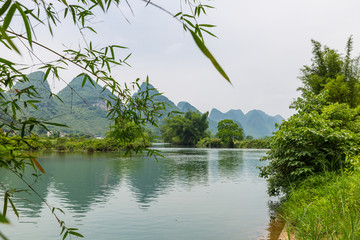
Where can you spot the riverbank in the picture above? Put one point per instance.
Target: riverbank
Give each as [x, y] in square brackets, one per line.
[72, 144]
[262, 143]
[326, 206]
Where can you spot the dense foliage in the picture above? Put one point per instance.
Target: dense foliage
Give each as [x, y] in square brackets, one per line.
[209, 142]
[325, 133]
[333, 72]
[312, 142]
[185, 129]
[262, 143]
[228, 132]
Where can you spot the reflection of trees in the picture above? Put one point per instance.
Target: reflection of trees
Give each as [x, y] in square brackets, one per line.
[193, 172]
[190, 166]
[230, 162]
[82, 178]
[79, 179]
[148, 179]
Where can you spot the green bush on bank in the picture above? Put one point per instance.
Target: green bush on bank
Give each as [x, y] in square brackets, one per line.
[217, 143]
[71, 144]
[209, 143]
[325, 206]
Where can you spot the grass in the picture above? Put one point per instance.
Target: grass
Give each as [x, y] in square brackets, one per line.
[326, 206]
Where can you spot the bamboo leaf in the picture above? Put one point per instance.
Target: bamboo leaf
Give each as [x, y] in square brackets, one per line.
[76, 234]
[65, 235]
[6, 197]
[101, 4]
[64, 1]
[47, 73]
[3, 219]
[207, 53]
[8, 39]
[9, 17]
[26, 23]
[4, 7]
[56, 124]
[6, 62]
[13, 207]
[38, 165]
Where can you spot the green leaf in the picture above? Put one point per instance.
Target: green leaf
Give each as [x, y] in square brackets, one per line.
[9, 17]
[26, 23]
[13, 207]
[65, 235]
[76, 234]
[56, 124]
[64, 1]
[6, 62]
[4, 7]
[101, 4]
[8, 39]
[3, 219]
[206, 25]
[47, 73]
[6, 197]
[207, 53]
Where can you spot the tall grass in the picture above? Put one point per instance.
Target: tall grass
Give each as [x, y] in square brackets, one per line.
[326, 206]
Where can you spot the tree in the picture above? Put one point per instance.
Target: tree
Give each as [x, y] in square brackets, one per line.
[94, 60]
[185, 130]
[333, 72]
[228, 131]
[249, 137]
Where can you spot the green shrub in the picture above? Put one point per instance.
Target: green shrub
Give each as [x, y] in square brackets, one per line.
[315, 140]
[254, 143]
[209, 142]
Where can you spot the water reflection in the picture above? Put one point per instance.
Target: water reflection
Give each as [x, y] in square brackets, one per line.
[209, 178]
[230, 163]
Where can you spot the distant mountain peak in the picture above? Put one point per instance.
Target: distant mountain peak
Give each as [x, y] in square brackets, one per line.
[185, 107]
[36, 79]
[255, 122]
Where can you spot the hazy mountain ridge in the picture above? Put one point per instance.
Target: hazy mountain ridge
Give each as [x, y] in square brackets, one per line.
[255, 123]
[84, 109]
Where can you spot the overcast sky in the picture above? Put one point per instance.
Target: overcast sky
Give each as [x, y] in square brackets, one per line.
[261, 45]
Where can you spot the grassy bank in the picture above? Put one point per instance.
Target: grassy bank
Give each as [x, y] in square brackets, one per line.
[246, 143]
[325, 206]
[72, 144]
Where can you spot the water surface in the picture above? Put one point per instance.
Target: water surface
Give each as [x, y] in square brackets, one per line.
[207, 194]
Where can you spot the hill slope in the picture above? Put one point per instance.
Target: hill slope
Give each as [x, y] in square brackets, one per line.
[84, 110]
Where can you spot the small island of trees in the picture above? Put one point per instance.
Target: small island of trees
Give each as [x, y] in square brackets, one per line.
[191, 129]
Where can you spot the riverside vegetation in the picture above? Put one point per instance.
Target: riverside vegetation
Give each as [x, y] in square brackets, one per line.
[314, 161]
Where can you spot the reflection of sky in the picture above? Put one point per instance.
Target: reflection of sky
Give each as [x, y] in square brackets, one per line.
[106, 195]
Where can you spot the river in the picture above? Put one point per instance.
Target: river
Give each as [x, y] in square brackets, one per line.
[210, 194]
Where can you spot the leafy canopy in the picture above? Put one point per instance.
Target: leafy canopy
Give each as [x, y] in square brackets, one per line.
[324, 134]
[333, 72]
[228, 131]
[185, 130]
